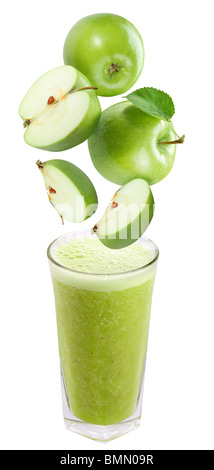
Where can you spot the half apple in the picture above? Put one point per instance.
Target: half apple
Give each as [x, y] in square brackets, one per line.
[60, 110]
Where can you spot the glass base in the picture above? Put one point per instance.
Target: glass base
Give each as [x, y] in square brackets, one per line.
[101, 433]
[97, 432]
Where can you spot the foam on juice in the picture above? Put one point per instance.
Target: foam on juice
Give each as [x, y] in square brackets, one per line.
[91, 256]
[85, 263]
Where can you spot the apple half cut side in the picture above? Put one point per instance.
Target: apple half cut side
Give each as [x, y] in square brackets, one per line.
[127, 216]
[60, 110]
[70, 191]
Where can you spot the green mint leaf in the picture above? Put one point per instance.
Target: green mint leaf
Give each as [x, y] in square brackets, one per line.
[154, 102]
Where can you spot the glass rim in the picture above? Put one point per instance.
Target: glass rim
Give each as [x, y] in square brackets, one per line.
[90, 234]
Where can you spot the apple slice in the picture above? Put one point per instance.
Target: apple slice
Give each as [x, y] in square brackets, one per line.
[60, 110]
[70, 190]
[128, 215]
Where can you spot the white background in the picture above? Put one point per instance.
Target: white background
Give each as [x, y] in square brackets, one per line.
[178, 408]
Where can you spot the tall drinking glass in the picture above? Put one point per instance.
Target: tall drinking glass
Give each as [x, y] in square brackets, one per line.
[103, 307]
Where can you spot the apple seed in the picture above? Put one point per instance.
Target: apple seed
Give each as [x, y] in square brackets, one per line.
[114, 204]
[51, 190]
[51, 100]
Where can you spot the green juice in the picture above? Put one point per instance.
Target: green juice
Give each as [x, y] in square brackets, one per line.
[103, 300]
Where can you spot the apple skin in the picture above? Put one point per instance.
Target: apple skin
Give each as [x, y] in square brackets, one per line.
[124, 145]
[85, 127]
[96, 42]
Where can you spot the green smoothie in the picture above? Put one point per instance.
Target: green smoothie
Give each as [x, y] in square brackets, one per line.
[103, 300]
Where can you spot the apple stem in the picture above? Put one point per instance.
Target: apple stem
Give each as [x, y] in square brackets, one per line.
[178, 141]
[83, 88]
[94, 229]
[61, 217]
[27, 122]
[114, 68]
[40, 165]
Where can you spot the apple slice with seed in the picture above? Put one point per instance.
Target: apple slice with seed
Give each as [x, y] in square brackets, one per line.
[127, 216]
[70, 191]
[60, 110]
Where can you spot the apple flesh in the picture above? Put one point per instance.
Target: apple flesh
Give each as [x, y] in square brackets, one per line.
[126, 144]
[57, 117]
[127, 216]
[70, 191]
[108, 50]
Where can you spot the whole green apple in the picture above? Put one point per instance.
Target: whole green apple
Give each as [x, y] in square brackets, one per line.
[128, 143]
[108, 50]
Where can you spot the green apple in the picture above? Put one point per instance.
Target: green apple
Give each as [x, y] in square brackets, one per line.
[128, 215]
[128, 143]
[60, 110]
[108, 50]
[70, 191]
